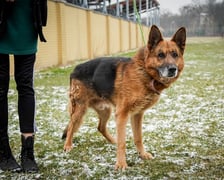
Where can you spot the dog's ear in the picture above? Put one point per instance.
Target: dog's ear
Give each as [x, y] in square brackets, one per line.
[155, 37]
[180, 38]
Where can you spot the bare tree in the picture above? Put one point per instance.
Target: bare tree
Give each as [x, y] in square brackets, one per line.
[216, 13]
[200, 19]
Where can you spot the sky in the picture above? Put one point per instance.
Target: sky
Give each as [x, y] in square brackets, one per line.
[173, 5]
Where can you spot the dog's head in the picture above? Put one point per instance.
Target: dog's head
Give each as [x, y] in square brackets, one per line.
[164, 58]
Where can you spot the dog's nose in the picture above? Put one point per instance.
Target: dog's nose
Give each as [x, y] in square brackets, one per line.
[172, 71]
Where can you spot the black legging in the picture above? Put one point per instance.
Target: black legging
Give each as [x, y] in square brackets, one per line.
[23, 73]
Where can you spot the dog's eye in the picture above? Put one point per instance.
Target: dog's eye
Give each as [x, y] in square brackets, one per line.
[161, 55]
[174, 54]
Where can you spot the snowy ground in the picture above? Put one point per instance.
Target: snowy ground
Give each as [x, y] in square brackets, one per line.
[184, 131]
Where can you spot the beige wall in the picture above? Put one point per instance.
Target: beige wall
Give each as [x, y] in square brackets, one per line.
[125, 38]
[74, 33]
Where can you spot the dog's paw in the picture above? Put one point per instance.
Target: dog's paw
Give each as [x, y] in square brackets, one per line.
[68, 148]
[121, 165]
[146, 155]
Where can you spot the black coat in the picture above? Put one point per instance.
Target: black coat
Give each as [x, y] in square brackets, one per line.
[39, 16]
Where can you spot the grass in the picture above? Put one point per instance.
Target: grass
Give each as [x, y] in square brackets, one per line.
[184, 131]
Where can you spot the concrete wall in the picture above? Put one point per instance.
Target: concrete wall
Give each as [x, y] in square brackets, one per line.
[74, 33]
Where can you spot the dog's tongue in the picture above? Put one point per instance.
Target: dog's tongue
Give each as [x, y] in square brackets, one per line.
[152, 86]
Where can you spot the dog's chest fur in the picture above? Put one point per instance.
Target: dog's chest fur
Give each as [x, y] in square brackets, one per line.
[132, 88]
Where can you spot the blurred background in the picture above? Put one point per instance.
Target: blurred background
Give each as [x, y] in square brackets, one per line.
[85, 29]
[201, 17]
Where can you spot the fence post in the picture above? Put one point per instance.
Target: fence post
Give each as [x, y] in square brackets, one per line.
[89, 35]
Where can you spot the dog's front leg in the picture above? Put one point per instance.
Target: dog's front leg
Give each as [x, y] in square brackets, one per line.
[136, 124]
[121, 121]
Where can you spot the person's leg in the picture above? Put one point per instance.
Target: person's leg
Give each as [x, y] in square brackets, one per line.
[7, 161]
[4, 87]
[24, 70]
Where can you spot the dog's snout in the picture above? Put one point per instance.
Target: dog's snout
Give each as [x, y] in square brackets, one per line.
[169, 71]
[172, 71]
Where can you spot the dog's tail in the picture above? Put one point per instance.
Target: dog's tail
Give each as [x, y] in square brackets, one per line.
[64, 135]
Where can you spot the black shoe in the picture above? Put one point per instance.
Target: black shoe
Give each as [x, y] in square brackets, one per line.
[9, 164]
[28, 162]
[7, 160]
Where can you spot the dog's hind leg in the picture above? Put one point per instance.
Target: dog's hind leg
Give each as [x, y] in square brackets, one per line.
[104, 115]
[136, 123]
[76, 119]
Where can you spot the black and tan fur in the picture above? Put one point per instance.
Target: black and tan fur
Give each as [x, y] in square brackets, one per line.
[131, 85]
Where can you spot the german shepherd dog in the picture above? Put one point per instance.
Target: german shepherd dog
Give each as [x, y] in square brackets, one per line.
[130, 84]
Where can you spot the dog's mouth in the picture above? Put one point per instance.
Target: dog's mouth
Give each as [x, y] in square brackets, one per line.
[164, 75]
[168, 71]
